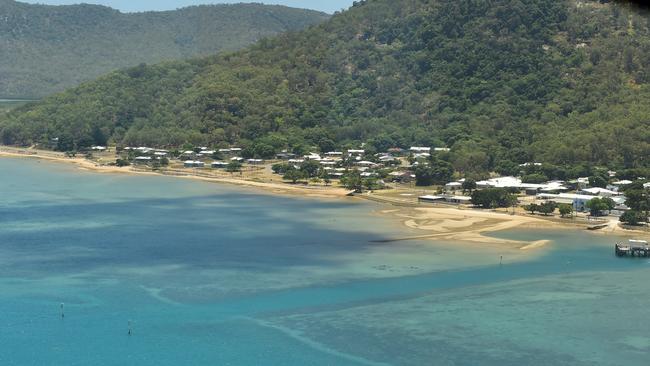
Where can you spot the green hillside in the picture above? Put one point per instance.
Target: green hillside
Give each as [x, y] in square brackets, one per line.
[45, 49]
[501, 82]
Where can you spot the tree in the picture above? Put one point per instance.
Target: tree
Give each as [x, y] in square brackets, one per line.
[598, 205]
[492, 198]
[633, 217]
[325, 176]
[532, 208]
[122, 162]
[547, 208]
[233, 166]
[294, 175]
[281, 168]
[311, 168]
[566, 210]
[535, 178]
[597, 181]
[638, 198]
[164, 161]
[352, 180]
[438, 172]
[469, 185]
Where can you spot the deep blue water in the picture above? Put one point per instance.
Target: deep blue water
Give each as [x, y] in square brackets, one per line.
[215, 275]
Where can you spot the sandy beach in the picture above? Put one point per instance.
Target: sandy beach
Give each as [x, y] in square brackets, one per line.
[438, 223]
[262, 187]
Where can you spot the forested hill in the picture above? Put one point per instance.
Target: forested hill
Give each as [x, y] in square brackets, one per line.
[501, 82]
[45, 49]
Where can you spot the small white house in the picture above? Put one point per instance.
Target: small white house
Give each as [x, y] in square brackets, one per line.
[193, 164]
[219, 164]
[419, 149]
[142, 159]
[365, 163]
[453, 186]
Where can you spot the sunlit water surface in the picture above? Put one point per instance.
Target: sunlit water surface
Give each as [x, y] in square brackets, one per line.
[215, 275]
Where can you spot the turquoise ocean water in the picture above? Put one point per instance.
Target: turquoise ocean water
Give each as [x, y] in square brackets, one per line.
[215, 275]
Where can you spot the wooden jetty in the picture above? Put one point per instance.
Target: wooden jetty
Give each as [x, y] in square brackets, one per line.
[633, 248]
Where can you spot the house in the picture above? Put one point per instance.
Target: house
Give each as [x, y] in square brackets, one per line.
[219, 164]
[578, 201]
[296, 161]
[193, 164]
[327, 162]
[596, 191]
[400, 176]
[442, 149]
[356, 152]
[431, 198]
[501, 182]
[384, 158]
[334, 153]
[237, 158]
[456, 200]
[285, 156]
[255, 161]
[646, 186]
[621, 183]
[418, 149]
[365, 163]
[453, 186]
[99, 148]
[142, 160]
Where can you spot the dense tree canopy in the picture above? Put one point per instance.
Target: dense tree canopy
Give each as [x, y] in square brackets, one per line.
[44, 49]
[500, 82]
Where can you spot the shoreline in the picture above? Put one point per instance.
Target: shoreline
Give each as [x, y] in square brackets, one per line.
[425, 222]
[262, 187]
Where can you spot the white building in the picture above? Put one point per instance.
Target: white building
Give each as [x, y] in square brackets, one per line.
[143, 159]
[579, 201]
[193, 164]
[356, 152]
[597, 191]
[453, 186]
[420, 149]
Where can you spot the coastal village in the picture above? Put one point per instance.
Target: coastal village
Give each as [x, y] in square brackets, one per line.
[388, 177]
